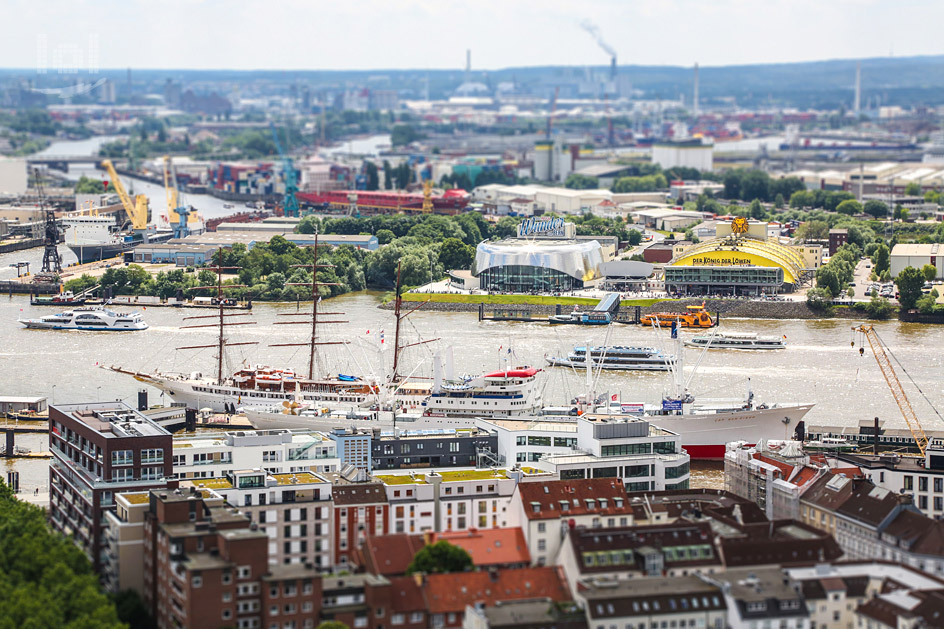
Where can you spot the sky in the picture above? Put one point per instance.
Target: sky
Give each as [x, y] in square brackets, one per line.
[435, 34]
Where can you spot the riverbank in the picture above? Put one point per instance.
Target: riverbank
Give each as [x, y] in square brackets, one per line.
[547, 305]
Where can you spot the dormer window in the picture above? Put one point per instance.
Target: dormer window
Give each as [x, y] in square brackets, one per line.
[565, 506]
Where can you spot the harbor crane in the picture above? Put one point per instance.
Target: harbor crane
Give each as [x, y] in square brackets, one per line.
[289, 200]
[178, 215]
[137, 211]
[894, 384]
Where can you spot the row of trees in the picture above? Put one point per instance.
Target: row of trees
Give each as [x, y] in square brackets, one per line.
[45, 581]
[750, 184]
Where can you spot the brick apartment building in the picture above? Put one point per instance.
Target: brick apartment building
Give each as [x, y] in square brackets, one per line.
[99, 450]
[206, 565]
[359, 509]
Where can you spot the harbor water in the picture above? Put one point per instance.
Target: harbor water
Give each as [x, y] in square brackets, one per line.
[818, 366]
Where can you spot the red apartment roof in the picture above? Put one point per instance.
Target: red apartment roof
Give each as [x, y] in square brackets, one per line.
[490, 547]
[406, 595]
[804, 476]
[785, 468]
[548, 496]
[391, 555]
[453, 592]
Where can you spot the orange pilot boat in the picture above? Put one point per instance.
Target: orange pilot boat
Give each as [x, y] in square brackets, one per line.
[694, 317]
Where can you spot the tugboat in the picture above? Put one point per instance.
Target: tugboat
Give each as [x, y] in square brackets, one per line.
[695, 317]
[62, 299]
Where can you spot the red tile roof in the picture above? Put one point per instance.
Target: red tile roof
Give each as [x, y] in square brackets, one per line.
[389, 555]
[785, 468]
[805, 475]
[490, 547]
[406, 595]
[548, 496]
[452, 592]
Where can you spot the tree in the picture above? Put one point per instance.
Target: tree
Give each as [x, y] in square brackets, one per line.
[813, 230]
[757, 209]
[818, 299]
[913, 189]
[879, 308]
[930, 272]
[634, 237]
[881, 258]
[909, 282]
[308, 225]
[455, 254]
[87, 185]
[876, 208]
[828, 279]
[385, 236]
[904, 215]
[388, 175]
[576, 181]
[755, 185]
[372, 176]
[403, 134]
[440, 557]
[802, 199]
[47, 581]
[849, 207]
[779, 201]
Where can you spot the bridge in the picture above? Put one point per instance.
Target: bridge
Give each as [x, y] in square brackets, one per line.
[61, 162]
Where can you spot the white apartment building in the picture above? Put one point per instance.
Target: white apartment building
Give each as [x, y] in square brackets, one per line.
[276, 451]
[451, 500]
[644, 456]
[294, 509]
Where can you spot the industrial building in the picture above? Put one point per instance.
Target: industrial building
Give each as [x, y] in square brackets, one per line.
[686, 153]
[740, 260]
[545, 257]
[917, 255]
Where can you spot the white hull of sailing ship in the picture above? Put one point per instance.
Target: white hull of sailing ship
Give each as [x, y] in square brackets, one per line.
[355, 418]
[197, 392]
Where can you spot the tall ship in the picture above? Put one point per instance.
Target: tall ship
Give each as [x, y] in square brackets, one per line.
[615, 357]
[268, 386]
[736, 340]
[89, 318]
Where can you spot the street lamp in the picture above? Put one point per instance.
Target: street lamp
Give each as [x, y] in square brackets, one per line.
[98, 394]
[53, 394]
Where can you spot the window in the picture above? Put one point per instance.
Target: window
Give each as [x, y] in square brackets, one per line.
[122, 475]
[908, 483]
[542, 545]
[627, 448]
[197, 581]
[122, 457]
[152, 455]
[227, 614]
[454, 446]
[542, 527]
[922, 483]
[244, 572]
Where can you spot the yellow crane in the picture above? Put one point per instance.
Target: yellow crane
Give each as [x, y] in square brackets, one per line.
[137, 211]
[173, 195]
[891, 378]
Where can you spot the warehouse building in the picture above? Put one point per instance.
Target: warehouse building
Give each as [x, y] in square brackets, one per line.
[917, 255]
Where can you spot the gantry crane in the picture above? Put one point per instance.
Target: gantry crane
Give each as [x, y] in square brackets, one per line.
[137, 211]
[891, 378]
[178, 215]
[289, 201]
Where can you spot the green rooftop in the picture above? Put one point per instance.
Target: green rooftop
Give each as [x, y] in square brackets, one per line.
[136, 498]
[473, 475]
[401, 479]
[211, 483]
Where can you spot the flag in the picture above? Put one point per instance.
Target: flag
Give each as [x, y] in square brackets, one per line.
[381, 337]
[500, 347]
[368, 331]
[613, 397]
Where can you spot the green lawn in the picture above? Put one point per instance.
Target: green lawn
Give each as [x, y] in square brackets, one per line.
[525, 300]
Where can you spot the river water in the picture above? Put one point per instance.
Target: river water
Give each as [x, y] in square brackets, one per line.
[818, 365]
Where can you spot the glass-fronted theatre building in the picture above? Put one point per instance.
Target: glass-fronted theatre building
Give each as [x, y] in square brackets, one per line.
[545, 257]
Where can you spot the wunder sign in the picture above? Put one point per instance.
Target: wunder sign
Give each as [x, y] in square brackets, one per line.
[546, 227]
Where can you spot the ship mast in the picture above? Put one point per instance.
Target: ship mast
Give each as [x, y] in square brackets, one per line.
[315, 298]
[221, 341]
[396, 333]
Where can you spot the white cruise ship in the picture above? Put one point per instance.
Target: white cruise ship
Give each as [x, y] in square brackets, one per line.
[90, 318]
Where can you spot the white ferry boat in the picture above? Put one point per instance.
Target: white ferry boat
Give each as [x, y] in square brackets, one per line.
[90, 318]
[497, 394]
[615, 357]
[736, 340]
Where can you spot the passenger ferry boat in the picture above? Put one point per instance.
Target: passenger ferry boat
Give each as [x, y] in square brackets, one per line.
[694, 317]
[89, 318]
[736, 340]
[497, 394]
[831, 444]
[615, 357]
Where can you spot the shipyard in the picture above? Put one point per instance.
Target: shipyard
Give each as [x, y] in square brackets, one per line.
[577, 329]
